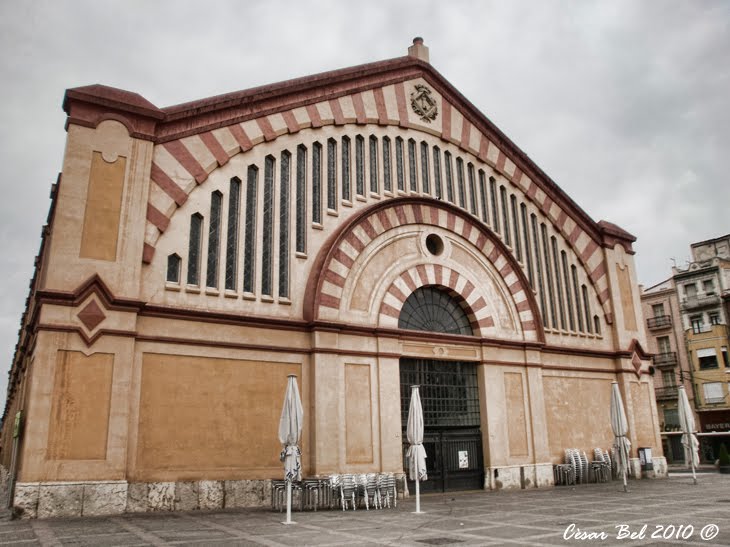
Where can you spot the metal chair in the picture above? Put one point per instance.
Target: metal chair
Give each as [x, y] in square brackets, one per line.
[387, 489]
[367, 490]
[278, 494]
[311, 493]
[348, 491]
[564, 474]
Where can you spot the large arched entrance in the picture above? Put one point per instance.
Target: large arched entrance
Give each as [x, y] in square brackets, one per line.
[449, 395]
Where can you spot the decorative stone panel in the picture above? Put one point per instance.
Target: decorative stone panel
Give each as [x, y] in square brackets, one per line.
[161, 496]
[25, 503]
[60, 500]
[104, 498]
[210, 494]
[137, 493]
[186, 496]
[247, 493]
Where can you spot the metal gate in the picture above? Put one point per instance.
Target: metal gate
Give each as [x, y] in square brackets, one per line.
[452, 438]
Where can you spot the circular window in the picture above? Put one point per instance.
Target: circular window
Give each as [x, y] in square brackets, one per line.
[434, 244]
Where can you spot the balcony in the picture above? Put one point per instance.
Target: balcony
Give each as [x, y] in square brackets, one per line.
[693, 302]
[665, 393]
[668, 359]
[659, 322]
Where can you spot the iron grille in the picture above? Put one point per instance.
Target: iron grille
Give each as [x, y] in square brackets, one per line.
[449, 392]
[434, 310]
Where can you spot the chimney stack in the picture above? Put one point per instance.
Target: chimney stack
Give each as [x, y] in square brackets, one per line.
[418, 50]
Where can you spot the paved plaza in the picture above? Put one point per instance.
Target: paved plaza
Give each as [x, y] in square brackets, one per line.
[599, 513]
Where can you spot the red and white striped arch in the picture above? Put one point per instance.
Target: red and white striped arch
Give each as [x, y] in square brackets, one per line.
[179, 166]
[458, 285]
[343, 254]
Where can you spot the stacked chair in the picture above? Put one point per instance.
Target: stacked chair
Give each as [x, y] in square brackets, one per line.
[346, 491]
[578, 470]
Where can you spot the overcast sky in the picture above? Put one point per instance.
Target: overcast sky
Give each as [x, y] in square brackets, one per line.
[625, 104]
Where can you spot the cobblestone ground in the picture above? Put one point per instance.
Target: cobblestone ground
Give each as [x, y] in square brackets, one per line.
[674, 509]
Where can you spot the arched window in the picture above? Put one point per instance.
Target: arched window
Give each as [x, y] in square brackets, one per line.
[173, 268]
[434, 310]
[194, 245]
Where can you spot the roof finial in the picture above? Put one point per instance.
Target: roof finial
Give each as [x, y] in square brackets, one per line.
[418, 50]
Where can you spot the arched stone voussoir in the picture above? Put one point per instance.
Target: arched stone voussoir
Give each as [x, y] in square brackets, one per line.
[327, 286]
[457, 285]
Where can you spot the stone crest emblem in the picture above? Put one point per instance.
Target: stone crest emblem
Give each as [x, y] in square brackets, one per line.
[423, 103]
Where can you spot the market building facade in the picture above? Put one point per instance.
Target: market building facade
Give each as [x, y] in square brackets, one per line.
[364, 229]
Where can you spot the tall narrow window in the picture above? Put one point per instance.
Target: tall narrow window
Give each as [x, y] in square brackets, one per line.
[483, 196]
[597, 325]
[495, 210]
[558, 284]
[425, 178]
[267, 243]
[576, 297]
[437, 171]
[586, 308]
[317, 183]
[331, 174]
[449, 178]
[234, 209]
[538, 268]
[196, 233]
[301, 203]
[568, 295]
[214, 240]
[549, 276]
[412, 176]
[460, 182]
[516, 226]
[399, 165]
[505, 214]
[346, 169]
[360, 165]
[173, 268]
[249, 252]
[374, 164]
[387, 169]
[472, 189]
[526, 238]
[284, 225]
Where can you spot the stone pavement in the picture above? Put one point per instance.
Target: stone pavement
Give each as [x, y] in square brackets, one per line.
[672, 507]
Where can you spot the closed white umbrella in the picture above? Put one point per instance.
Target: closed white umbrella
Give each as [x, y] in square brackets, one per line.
[290, 431]
[620, 427]
[416, 455]
[689, 440]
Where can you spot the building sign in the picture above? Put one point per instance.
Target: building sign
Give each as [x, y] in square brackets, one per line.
[718, 421]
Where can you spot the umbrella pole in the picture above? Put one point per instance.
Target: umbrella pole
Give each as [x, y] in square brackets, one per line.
[288, 502]
[418, 495]
[694, 475]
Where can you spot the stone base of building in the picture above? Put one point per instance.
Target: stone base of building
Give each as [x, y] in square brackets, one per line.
[74, 499]
[659, 471]
[97, 498]
[513, 477]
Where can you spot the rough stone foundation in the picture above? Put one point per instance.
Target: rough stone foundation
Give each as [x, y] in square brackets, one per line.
[73, 499]
[518, 476]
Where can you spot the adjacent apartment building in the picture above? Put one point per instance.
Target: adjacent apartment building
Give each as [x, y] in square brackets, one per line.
[687, 326]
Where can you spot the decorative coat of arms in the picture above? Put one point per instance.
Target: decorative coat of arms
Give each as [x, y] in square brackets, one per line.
[424, 104]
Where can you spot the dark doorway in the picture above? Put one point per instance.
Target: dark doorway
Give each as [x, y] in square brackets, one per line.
[452, 436]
